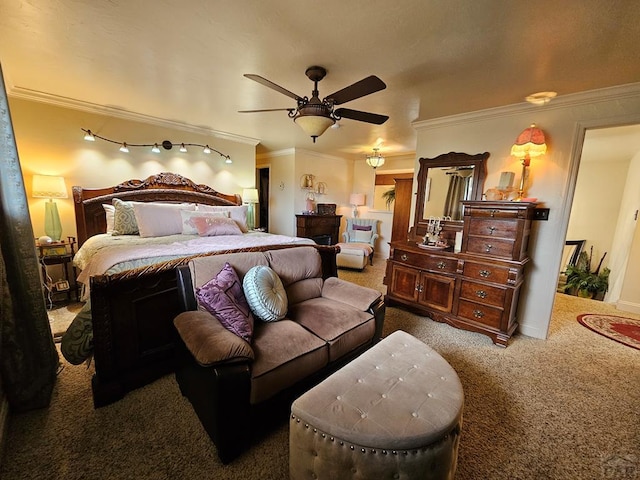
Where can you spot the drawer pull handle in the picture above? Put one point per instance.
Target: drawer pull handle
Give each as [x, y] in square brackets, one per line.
[493, 212]
[478, 313]
[404, 257]
[491, 229]
[441, 265]
[484, 273]
[481, 294]
[488, 247]
[419, 288]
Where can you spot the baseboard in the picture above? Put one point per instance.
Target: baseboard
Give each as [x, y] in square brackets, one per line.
[4, 424]
[628, 307]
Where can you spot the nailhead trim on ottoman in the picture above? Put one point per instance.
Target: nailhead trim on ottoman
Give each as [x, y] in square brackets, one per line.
[393, 412]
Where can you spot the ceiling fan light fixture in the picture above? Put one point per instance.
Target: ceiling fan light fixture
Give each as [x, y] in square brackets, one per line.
[314, 125]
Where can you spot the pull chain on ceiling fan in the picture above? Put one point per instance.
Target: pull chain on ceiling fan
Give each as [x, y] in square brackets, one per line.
[314, 115]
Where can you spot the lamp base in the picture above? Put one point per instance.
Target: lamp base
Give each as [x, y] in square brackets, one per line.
[52, 225]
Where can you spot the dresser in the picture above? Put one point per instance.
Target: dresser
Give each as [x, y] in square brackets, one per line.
[476, 289]
[318, 227]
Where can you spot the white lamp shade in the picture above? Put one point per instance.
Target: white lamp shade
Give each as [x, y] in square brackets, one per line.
[250, 195]
[356, 199]
[48, 186]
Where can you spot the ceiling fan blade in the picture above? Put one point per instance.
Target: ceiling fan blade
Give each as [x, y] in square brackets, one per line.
[361, 116]
[366, 86]
[270, 84]
[268, 110]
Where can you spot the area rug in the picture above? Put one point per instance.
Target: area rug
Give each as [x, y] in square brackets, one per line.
[621, 329]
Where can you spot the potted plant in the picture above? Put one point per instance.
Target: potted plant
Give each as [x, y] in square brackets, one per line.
[389, 197]
[585, 283]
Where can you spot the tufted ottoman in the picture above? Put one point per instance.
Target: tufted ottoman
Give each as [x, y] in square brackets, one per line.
[393, 412]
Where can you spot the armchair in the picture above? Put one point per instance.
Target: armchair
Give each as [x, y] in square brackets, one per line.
[359, 242]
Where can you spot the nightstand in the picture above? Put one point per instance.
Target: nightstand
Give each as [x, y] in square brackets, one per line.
[58, 253]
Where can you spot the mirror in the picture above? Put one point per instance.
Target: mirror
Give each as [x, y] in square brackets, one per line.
[443, 182]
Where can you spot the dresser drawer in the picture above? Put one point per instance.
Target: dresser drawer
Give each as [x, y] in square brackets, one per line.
[493, 227]
[490, 273]
[490, 316]
[484, 293]
[484, 212]
[493, 247]
[435, 263]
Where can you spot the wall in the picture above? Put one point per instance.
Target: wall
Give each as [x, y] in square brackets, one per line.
[598, 193]
[50, 142]
[552, 178]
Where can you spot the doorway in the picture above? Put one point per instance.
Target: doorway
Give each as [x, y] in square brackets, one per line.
[263, 197]
[604, 204]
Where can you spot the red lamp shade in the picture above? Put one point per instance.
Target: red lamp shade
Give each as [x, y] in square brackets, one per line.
[530, 143]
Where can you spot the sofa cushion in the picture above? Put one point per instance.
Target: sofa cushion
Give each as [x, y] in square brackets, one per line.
[205, 268]
[342, 326]
[223, 297]
[346, 292]
[285, 353]
[209, 341]
[300, 270]
[265, 293]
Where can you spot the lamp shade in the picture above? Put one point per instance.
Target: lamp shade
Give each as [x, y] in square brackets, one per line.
[314, 125]
[376, 160]
[250, 195]
[530, 143]
[356, 199]
[48, 186]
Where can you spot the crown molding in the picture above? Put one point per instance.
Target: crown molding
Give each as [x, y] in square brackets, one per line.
[66, 102]
[589, 97]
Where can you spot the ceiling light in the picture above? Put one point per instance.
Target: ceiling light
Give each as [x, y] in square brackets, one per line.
[124, 148]
[206, 149]
[376, 160]
[183, 149]
[540, 98]
[155, 148]
[89, 136]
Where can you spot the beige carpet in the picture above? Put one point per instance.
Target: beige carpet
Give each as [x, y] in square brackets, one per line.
[61, 317]
[562, 408]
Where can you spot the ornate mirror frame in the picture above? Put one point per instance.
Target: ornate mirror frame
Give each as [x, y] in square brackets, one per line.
[447, 160]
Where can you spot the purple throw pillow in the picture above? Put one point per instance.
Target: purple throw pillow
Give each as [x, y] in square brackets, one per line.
[365, 228]
[223, 297]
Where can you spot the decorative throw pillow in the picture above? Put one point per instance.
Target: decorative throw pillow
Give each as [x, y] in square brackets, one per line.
[361, 227]
[237, 213]
[362, 236]
[223, 297]
[109, 211]
[124, 218]
[213, 226]
[189, 227]
[265, 293]
[159, 219]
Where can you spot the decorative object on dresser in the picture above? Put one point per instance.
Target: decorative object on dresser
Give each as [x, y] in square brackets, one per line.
[49, 186]
[476, 289]
[529, 144]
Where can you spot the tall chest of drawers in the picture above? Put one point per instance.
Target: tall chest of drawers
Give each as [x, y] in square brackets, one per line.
[477, 289]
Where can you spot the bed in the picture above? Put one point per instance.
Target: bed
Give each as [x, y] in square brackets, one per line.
[129, 279]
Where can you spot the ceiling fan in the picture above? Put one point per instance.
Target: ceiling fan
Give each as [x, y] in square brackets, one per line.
[314, 115]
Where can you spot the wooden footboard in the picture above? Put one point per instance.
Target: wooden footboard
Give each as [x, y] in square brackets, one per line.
[133, 333]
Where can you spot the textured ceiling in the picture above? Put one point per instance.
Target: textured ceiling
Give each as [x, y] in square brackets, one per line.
[184, 60]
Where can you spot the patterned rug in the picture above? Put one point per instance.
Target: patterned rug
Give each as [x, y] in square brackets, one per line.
[621, 329]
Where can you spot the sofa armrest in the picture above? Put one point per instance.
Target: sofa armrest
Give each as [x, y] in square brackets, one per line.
[357, 296]
[209, 341]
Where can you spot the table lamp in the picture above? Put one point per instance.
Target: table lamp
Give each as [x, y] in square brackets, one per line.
[356, 199]
[250, 197]
[530, 143]
[48, 186]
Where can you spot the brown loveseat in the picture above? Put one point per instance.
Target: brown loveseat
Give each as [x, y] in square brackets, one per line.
[237, 388]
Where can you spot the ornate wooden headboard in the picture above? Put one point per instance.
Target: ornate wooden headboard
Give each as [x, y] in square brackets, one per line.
[163, 187]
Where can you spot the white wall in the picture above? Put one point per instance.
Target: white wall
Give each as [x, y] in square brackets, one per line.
[50, 142]
[552, 177]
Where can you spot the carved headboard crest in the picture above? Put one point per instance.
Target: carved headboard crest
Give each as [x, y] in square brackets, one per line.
[161, 180]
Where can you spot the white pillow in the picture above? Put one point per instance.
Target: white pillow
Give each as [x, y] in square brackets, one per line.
[159, 219]
[189, 227]
[109, 211]
[237, 213]
[362, 235]
[265, 293]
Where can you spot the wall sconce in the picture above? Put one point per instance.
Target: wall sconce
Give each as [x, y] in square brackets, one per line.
[376, 160]
[250, 197]
[47, 186]
[356, 199]
[529, 144]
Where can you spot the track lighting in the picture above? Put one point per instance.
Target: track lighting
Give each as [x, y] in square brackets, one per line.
[155, 147]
